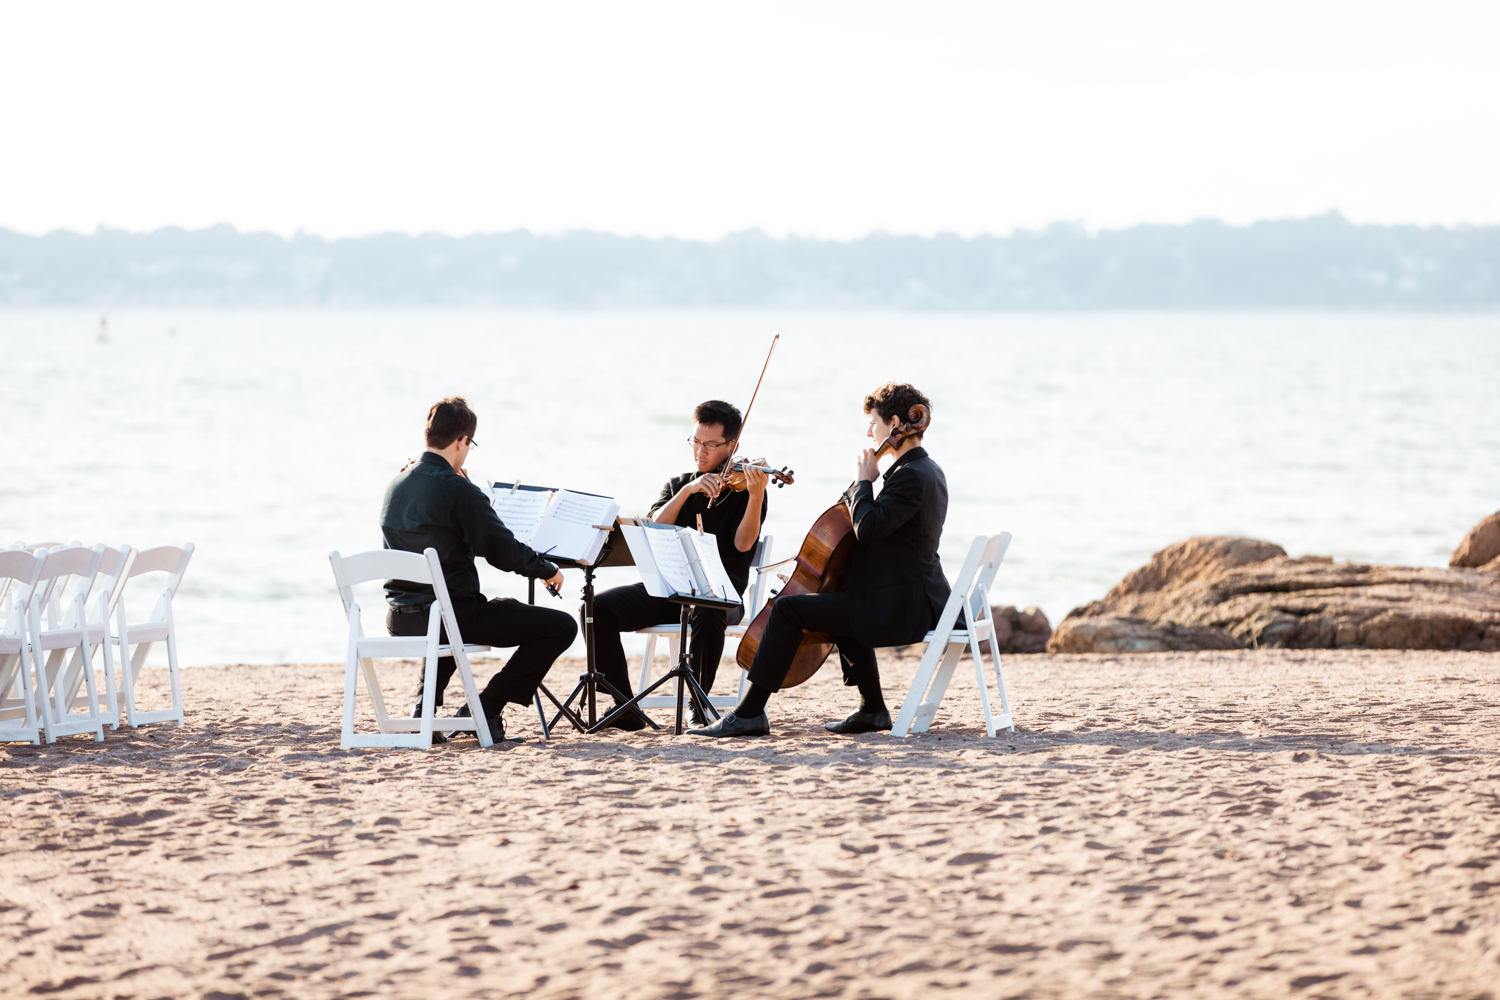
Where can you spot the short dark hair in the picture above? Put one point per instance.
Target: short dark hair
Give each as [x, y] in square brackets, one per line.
[895, 399]
[449, 420]
[716, 411]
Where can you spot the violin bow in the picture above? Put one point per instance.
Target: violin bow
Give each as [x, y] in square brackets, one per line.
[729, 462]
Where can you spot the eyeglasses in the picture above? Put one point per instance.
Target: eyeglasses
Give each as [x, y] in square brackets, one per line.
[697, 445]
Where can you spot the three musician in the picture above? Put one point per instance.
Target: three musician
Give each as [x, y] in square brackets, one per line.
[895, 593]
[691, 499]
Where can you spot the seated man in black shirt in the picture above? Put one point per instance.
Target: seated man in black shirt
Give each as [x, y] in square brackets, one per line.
[432, 504]
[734, 520]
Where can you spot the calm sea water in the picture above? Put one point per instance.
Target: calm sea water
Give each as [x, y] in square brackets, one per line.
[267, 437]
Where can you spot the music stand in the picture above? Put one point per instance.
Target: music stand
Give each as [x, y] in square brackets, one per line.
[682, 673]
[614, 553]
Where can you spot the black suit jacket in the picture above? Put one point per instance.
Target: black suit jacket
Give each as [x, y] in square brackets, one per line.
[896, 584]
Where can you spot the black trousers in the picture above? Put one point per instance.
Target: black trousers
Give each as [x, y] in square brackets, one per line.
[541, 635]
[796, 613]
[625, 609]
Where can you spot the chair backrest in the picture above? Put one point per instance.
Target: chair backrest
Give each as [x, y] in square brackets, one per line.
[378, 564]
[21, 567]
[756, 596]
[971, 588]
[394, 564]
[66, 573]
[111, 574]
[169, 559]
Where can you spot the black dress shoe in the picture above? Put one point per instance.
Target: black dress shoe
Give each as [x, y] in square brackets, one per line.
[630, 722]
[861, 722]
[438, 736]
[496, 721]
[730, 724]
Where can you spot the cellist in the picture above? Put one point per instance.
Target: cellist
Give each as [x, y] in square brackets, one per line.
[896, 589]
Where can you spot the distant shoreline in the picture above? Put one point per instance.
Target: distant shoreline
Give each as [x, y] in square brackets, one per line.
[1322, 263]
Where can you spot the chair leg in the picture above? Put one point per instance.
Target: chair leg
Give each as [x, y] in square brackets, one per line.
[173, 674]
[137, 661]
[471, 693]
[942, 676]
[377, 695]
[93, 689]
[351, 687]
[984, 693]
[1006, 718]
[429, 692]
[914, 694]
[647, 662]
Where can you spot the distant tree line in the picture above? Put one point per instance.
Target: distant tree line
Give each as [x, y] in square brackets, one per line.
[1324, 262]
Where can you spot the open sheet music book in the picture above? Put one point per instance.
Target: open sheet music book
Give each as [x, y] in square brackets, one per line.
[560, 523]
[677, 562]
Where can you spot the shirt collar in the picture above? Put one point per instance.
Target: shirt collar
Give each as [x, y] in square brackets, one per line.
[915, 453]
[433, 458]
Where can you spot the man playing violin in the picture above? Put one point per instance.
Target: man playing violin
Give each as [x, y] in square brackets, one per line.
[733, 517]
[897, 588]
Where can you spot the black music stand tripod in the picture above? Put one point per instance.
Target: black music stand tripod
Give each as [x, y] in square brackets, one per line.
[614, 553]
[688, 686]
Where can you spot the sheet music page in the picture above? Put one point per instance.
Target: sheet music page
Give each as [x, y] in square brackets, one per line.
[707, 549]
[567, 527]
[521, 509]
[635, 532]
[671, 561]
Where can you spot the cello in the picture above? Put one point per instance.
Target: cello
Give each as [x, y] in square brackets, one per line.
[823, 568]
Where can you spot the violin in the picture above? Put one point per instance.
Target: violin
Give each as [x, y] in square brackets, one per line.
[732, 476]
[822, 567]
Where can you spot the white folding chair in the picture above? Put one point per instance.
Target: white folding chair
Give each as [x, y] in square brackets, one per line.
[389, 564]
[19, 719]
[64, 581]
[945, 644]
[160, 626]
[105, 595]
[755, 598]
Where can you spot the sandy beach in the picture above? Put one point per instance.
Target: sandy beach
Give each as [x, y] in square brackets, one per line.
[1237, 824]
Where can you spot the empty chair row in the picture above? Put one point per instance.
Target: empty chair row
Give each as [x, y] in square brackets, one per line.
[63, 608]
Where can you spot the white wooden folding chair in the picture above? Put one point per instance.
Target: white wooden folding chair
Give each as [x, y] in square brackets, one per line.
[19, 718]
[64, 581]
[389, 564]
[159, 626]
[755, 598]
[104, 597]
[945, 644]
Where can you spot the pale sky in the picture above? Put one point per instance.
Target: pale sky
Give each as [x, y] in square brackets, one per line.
[698, 119]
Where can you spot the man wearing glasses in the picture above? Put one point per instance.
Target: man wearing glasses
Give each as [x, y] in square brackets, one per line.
[432, 503]
[734, 519]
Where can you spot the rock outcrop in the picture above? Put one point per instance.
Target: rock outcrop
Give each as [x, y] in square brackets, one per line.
[1020, 631]
[1232, 593]
[1480, 547]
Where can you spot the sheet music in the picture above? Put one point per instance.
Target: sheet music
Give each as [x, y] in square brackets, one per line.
[521, 509]
[671, 560]
[567, 528]
[707, 548]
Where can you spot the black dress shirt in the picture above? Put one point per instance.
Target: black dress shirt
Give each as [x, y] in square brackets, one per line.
[897, 588]
[431, 506]
[722, 521]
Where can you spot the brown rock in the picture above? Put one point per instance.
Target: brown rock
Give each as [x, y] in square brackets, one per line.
[1020, 631]
[1204, 592]
[1481, 546]
[1135, 635]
